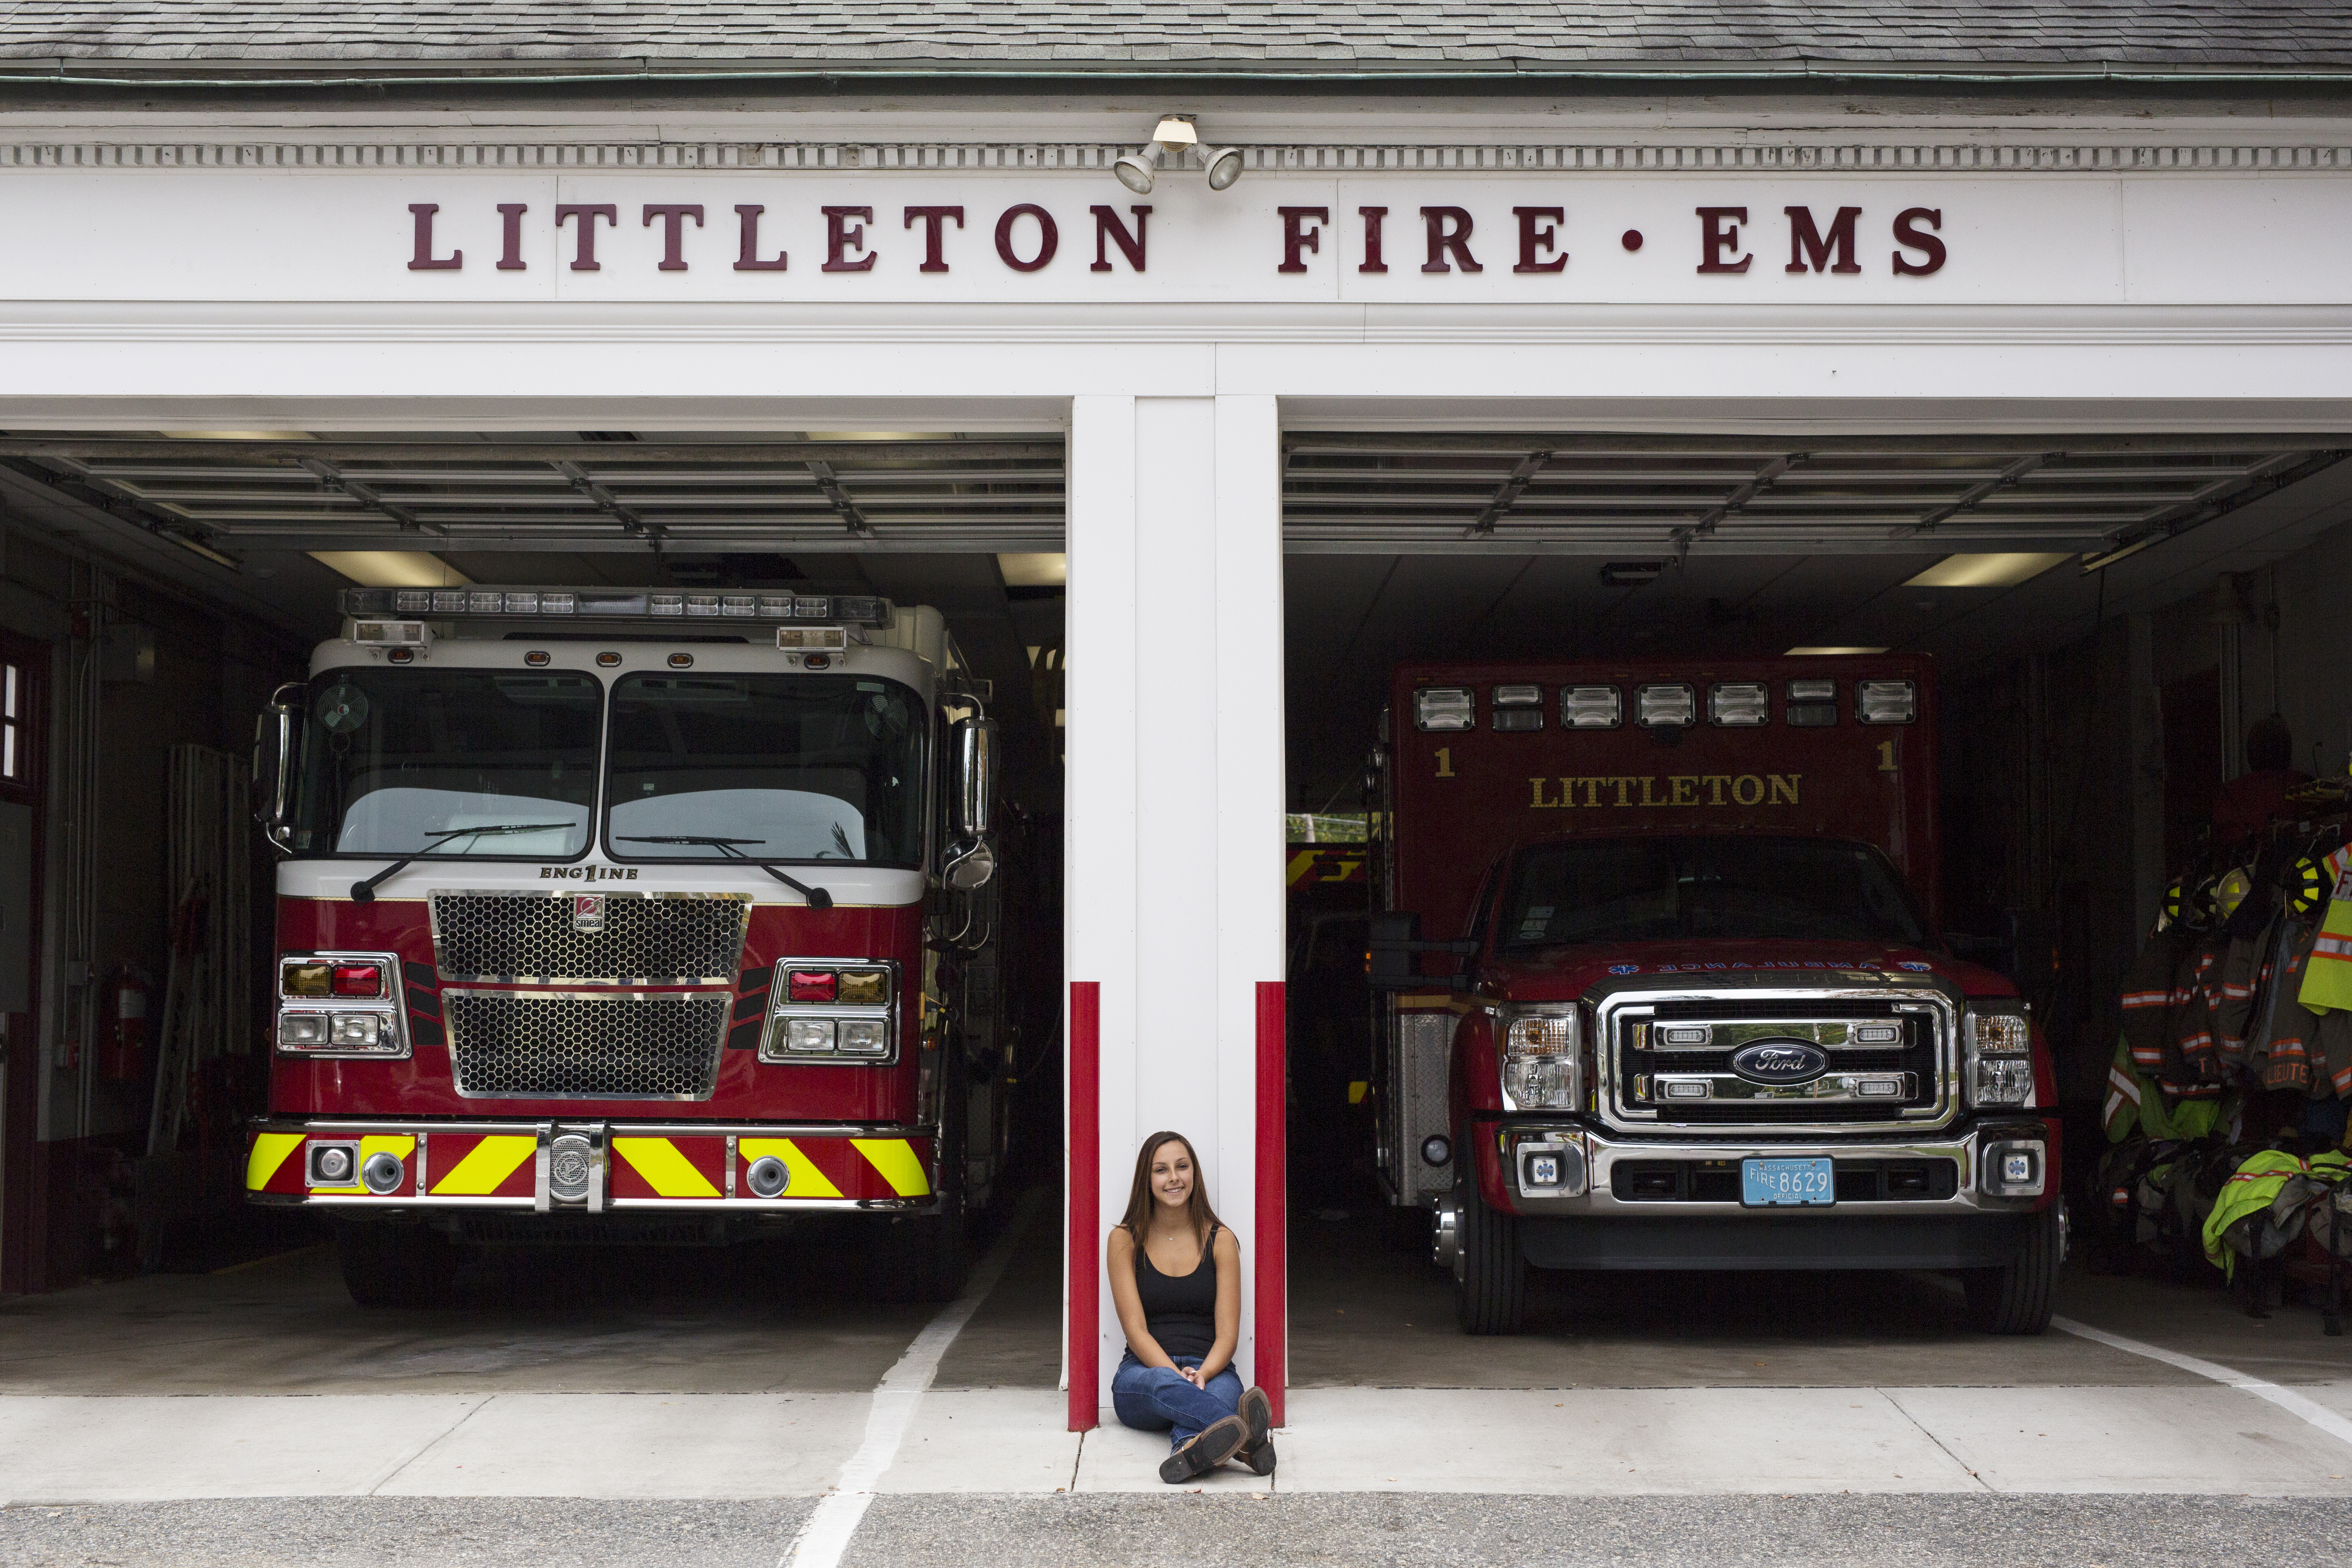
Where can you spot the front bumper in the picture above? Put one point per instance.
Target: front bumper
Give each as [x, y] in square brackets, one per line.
[588, 1167]
[1707, 1170]
[1642, 1204]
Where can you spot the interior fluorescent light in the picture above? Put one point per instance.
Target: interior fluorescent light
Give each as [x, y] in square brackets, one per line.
[392, 568]
[1035, 571]
[1801, 652]
[1999, 569]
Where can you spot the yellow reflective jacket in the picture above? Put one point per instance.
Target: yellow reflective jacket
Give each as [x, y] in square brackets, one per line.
[2254, 1187]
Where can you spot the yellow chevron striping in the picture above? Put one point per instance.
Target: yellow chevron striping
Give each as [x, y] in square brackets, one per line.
[666, 1170]
[486, 1165]
[807, 1181]
[270, 1151]
[896, 1162]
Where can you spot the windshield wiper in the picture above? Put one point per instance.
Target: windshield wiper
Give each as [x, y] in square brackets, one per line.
[364, 892]
[818, 898]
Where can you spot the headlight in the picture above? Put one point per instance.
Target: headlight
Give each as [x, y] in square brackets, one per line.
[371, 1034]
[1542, 1068]
[2001, 1060]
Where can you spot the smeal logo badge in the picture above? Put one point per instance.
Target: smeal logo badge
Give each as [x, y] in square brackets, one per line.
[587, 912]
[588, 873]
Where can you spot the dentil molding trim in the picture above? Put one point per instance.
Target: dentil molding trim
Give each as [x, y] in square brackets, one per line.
[1959, 157]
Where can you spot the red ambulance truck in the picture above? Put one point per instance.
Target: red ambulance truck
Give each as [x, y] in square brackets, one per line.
[633, 915]
[1665, 989]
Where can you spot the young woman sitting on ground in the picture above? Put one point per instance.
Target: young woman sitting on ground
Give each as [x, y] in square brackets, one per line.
[1176, 1279]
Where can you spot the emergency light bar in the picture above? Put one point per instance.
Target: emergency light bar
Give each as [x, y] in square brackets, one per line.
[1591, 707]
[1885, 701]
[1670, 704]
[607, 604]
[1738, 702]
[1444, 708]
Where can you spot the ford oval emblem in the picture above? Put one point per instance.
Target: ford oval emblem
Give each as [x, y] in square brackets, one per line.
[1779, 1062]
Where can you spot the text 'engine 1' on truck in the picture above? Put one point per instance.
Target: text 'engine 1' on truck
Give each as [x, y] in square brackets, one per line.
[1690, 1011]
[631, 915]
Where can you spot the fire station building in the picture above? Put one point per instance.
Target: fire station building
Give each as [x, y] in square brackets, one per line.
[1200, 366]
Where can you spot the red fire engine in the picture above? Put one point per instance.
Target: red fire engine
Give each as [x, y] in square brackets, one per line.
[1686, 1005]
[630, 914]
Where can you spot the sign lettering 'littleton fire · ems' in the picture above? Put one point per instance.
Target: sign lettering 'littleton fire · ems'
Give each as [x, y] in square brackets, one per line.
[1027, 238]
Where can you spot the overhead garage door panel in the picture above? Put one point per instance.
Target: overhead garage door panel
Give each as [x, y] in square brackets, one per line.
[572, 493]
[1644, 495]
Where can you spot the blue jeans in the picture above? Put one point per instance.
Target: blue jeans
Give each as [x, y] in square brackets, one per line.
[1157, 1399]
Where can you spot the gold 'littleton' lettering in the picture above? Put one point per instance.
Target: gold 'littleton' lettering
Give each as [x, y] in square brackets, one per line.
[1584, 790]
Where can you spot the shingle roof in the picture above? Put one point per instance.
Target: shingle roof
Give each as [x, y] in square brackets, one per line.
[2271, 35]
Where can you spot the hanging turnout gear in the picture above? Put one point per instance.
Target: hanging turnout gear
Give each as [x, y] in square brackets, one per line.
[2260, 1210]
[2154, 991]
[2327, 978]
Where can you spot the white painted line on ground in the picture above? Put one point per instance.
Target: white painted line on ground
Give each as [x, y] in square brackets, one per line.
[825, 1536]
[2286, 1399]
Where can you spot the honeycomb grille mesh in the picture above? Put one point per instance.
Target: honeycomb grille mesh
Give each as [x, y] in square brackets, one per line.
[586, 1046]
[530, 936]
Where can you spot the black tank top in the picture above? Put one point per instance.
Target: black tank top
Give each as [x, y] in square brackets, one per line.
[1180, 1312]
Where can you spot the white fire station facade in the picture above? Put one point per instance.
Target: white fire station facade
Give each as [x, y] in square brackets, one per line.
[1417, 258]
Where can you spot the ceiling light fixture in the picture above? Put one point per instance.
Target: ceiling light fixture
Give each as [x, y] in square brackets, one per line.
[1175, 132]
[1998, 569]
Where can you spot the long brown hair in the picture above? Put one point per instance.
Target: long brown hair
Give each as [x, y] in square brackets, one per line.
[1140, 1202]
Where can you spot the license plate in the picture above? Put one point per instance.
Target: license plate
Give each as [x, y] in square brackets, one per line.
[1784, 1183]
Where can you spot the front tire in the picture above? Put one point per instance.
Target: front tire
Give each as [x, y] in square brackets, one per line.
[2019, 1296]
[1490, 1272]
[396, 1265]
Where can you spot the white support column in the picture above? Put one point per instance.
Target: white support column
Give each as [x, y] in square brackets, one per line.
[1174, 781]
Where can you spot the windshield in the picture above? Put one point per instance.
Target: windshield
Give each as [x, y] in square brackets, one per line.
[766, 767]
[406, 761]
[1645, 890]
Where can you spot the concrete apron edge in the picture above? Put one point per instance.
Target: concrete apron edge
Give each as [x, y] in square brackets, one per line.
[1691, 1441]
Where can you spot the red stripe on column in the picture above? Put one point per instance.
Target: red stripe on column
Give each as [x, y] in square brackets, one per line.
[1273, 1359]
[1085, 1203]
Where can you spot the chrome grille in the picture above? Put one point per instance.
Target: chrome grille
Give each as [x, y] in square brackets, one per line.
[503, 1046]
[652, 938]
[1910, 1078]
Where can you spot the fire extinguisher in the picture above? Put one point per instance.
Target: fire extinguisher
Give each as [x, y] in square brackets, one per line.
[126, 1045]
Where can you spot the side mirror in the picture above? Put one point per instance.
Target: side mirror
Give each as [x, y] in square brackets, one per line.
[975, 774]
[970, 869]
[1393, 940]
[274, 733]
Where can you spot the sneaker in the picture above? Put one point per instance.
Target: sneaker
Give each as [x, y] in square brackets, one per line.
[1258, 1458]
[1220, 1441]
